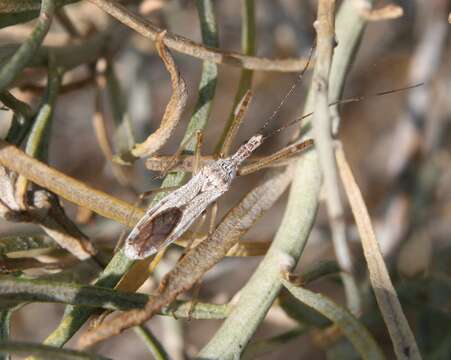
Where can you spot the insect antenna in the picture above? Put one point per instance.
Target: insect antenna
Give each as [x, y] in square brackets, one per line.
[343, 101]
[290, 92]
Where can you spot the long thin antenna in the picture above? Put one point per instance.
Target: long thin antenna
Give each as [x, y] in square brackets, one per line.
[344, 101]
[291, 91]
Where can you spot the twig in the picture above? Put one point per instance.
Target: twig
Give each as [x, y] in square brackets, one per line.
[5, 327]
[263, 347]
[22, 119]
[359, 336]
[322, 130]
[188, 47]
[38, 140]
[99, 123]
[67, 187]
[403, 340]
[174, 108]
[44, 351]
[387, 12]
[152, 343]
[123, 137]
[15, 243]
[102, 43]
[67, 23]
[15, 7]
[14, 291]
[23, 55]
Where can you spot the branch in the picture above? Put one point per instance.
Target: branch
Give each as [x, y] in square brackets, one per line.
[14, 290]
[403, 340]
[359, 336]
[26, 51]
[188, 47]
[45, 352]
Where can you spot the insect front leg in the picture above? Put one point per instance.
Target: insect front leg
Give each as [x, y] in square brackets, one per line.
[284, 153]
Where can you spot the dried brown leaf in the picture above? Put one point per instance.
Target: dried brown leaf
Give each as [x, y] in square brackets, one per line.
[403, 340]
[387, 12]
[174, 109]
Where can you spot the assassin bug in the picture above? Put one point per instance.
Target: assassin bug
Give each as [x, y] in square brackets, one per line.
[172, 216]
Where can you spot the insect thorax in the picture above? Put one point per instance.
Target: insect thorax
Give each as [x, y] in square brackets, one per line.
[219, 175]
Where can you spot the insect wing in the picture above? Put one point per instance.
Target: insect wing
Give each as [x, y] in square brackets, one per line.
[151, 234]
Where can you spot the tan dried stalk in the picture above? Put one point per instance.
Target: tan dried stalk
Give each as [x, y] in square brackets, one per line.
[174, 109]
[403, 340]
[189, 47]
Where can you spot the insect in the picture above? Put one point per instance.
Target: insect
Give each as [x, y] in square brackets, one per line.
[172, 216]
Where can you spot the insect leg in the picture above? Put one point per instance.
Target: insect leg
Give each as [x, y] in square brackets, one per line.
[235, 124]
[279, 155]
[194, 299]
[176, 157]
[214, 214]
[197, 151]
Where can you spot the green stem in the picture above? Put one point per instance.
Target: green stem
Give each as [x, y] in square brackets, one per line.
[26, 51]
[263, 347]
[38, 141]
[102, 43]
[22, 119]
[359, 336]
[17, 12]
[5, 327]
[152, 343]
[123, 135]
[15, 243]
[45, 352]
[15, 290]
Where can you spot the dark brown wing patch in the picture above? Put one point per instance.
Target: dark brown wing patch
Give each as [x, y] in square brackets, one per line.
[153, 233]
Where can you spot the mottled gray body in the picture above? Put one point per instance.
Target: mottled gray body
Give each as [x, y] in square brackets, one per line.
[186, 204]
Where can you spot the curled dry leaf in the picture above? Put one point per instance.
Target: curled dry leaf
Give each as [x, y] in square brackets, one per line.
[387, 12]
[42, 208]
[174, 109]
[52, 218]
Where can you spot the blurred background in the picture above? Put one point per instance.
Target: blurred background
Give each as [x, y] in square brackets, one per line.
[398, 146]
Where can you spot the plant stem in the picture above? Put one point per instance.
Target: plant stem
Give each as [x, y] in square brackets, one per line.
[45, 352]
[26, 51]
